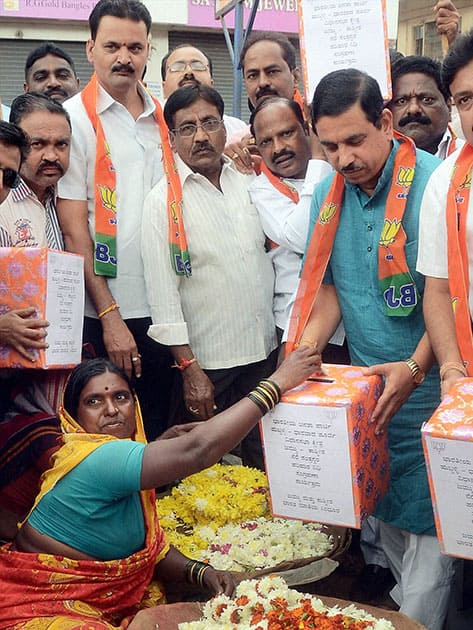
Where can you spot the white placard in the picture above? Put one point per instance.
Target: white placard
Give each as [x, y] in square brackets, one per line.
[451, 466]
[64, 308]
[337, 34]
[308, 463]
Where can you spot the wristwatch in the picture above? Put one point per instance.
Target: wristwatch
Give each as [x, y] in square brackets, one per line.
[418, 375]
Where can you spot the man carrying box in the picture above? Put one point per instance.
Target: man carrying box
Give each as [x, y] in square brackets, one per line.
[445, 233]
[360, 265]
[28, 425]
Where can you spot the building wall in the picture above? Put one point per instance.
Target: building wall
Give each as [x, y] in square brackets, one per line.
[415, 13]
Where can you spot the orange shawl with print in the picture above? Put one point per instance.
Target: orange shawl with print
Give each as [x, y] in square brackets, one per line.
[458, 258]
[48, 592]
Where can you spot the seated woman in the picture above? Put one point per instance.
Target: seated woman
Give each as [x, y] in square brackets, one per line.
[92, 544]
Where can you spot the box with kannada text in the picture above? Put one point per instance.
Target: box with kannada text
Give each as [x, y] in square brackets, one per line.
[448, 448]
[52, 282]
[323, 459]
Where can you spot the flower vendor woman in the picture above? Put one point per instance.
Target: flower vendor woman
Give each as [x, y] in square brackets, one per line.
[92, 544]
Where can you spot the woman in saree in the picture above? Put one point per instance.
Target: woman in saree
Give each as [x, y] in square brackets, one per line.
[88, 552]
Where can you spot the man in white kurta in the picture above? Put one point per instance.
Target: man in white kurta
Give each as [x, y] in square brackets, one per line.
[218, 322]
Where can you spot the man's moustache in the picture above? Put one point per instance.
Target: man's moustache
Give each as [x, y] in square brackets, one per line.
[421, 120]
[123, 67]
[45, 164]
[266, 91]
[203, 145]
[281, 154]
[56, 90]
[186, 78]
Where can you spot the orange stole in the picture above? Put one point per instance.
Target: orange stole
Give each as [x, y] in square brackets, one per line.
[458, 272]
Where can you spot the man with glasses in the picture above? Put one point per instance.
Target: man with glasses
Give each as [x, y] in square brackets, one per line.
[187, 65]
[211, 299]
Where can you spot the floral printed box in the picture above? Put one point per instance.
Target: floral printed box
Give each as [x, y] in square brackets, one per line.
[323, 459]
[448, 447]
[52, 282]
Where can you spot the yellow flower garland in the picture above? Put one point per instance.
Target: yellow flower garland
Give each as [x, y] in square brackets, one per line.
[212, 498]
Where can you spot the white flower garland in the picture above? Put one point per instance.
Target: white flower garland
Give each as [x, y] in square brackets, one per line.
[254, 600]
[263, 543]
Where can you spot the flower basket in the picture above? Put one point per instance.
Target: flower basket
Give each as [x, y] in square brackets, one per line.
[204, 514]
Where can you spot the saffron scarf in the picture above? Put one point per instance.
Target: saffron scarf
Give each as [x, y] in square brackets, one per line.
[105, 194]
[396, 283]
[458, 273]
[44, 591]
[452, 145]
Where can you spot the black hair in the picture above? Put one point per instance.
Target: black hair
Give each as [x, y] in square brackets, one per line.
[133, 10]
[287, 49]
[186, 96]
[277, 99]
[30, 102]
[421, 65]
[459, 55]
[341, 89]
[12, 136]
[48, 48]
[164, 60]
[394, 56]
[82, 374]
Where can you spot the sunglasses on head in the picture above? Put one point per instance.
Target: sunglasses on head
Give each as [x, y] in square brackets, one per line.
[11, 178]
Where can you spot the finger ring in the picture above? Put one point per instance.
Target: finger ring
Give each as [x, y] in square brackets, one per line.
[194, 410]
[252, 140]
[235, 156]
[134, 359]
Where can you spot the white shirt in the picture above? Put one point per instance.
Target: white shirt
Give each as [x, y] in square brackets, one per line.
[135, 147]
[287, 225]
[224, 310]
[445, 142]
[234, 125]
[432, 258]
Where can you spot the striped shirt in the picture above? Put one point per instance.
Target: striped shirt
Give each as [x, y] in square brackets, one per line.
[26, 222]
[224, 310]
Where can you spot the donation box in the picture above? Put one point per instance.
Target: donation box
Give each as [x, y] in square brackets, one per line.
[448, 447]
[52, 282]
[323, 459]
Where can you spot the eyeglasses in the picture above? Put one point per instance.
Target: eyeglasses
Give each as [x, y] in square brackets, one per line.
[196, 66]
[11, 178]
[209, 126]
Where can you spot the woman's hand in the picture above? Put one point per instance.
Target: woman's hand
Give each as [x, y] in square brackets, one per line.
[297, 367]
[218, 582]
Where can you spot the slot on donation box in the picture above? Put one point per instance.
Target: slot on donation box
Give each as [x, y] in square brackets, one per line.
[448, 448]
[323, 459]
[53, 282]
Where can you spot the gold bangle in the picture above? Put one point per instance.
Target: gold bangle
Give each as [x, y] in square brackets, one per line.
[452, 365]
[113, 306]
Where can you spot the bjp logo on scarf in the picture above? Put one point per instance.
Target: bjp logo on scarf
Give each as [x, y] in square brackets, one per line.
[327, 213]
[108, 196]
[388, 234]
[404, 179]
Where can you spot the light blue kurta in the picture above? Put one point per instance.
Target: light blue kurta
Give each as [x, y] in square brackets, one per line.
[374, 337]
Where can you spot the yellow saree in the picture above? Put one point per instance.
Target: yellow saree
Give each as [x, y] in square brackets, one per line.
[49, 592]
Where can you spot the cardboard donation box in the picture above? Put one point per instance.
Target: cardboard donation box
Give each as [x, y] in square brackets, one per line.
[323, 459]
[448, 447]
[53, 282]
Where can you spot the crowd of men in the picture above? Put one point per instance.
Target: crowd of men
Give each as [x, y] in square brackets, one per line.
[193, 226]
